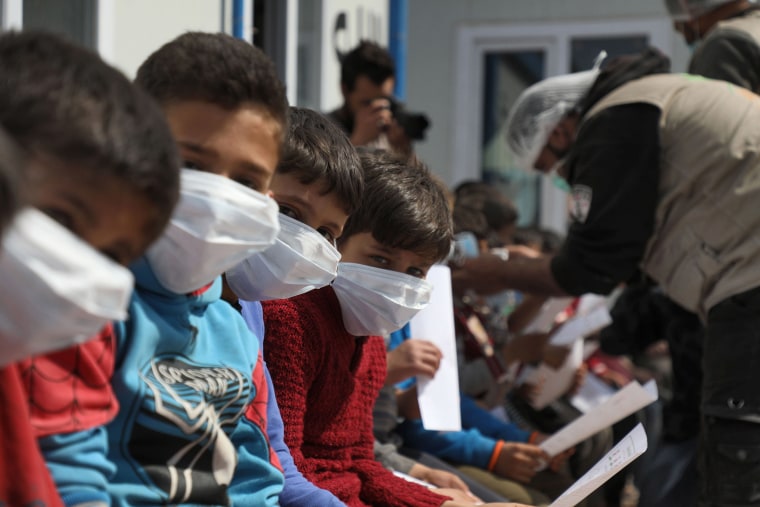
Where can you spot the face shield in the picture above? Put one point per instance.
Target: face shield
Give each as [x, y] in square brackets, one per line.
[539, 109]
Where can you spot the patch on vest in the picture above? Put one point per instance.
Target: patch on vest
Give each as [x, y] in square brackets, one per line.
[580, 202]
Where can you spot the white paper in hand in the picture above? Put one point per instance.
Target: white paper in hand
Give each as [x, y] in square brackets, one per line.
[626, 401]
[439, 397]
[628, 449]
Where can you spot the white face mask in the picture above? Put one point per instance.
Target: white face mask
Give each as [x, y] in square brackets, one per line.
[300, 260]
[376, 301]
[216, 225]
[56, 290]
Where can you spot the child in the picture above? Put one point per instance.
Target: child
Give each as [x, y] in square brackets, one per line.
[70, 114]
[326, 361]
[186, 365]
[318, 184]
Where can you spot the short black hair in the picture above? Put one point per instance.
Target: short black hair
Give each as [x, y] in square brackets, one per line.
[547, 240]
[367, 59]
[10, 190]
[497, 209]
[216, 68]
[317, 150]
[403, 206]
[499, 213]
[62, 102]
[468, 218]
[476, 188]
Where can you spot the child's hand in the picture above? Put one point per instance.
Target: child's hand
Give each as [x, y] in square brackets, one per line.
[412, 357]
[444, 479]
[459, 497]
[560, 459]
[557, 461]
[519, 461]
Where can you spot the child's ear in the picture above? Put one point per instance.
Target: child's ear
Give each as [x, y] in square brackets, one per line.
[270, 194]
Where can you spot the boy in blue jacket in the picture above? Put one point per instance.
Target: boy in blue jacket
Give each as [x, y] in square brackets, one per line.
[186, 365]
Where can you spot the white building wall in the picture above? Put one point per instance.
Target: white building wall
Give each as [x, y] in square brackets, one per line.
[432, 49]
[131, 30]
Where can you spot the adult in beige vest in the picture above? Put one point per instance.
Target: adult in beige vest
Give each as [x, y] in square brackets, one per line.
[725, 35]
[665, 177]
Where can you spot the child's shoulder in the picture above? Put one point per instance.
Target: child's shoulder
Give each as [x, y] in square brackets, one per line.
[315, 312]
[313, 303]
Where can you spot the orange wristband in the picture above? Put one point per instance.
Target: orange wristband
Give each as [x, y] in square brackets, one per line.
[495, 455]
[533, 437]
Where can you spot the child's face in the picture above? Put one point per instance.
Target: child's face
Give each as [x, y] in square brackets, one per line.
[241, 144]
[308, 205]
[363, 248]
[97, 208]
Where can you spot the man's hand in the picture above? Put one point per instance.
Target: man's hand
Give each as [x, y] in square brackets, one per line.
[525, 348]
[519, 461]
[412, 357]
[555, 355]
[370, 121]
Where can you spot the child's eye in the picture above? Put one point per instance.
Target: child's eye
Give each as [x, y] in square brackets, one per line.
[289, 212]
[191, 165]
[380, 260]
[415, 272]
[246, 182]
[60, 216]
[327, 235]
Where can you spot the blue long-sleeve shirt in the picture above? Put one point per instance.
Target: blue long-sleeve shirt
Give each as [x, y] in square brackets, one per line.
[297, 491]
[475, 444]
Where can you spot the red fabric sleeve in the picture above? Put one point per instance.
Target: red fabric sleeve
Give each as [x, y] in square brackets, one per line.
[24, 477]
[70, 390]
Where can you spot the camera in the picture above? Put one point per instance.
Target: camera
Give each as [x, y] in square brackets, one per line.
[413, 124]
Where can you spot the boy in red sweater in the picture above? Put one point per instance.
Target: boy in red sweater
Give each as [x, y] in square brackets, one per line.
[325, 350]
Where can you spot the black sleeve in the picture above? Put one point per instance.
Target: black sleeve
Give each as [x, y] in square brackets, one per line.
[614, 175]
[730, 56]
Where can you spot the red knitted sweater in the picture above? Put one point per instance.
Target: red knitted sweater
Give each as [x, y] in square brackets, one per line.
[326, 382]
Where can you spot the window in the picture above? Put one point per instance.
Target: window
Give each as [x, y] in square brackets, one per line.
[74, 19]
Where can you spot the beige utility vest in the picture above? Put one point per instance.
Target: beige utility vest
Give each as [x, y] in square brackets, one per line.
[706, 241]
[749, 23]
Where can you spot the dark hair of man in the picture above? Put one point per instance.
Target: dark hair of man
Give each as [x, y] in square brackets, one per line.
[10, 165]
[367, 59]
[469, 219]
[61, 102]
[403, 206]
[317, 150]
[215, 68]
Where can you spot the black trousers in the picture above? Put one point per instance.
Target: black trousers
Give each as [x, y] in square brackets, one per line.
[729, 454]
